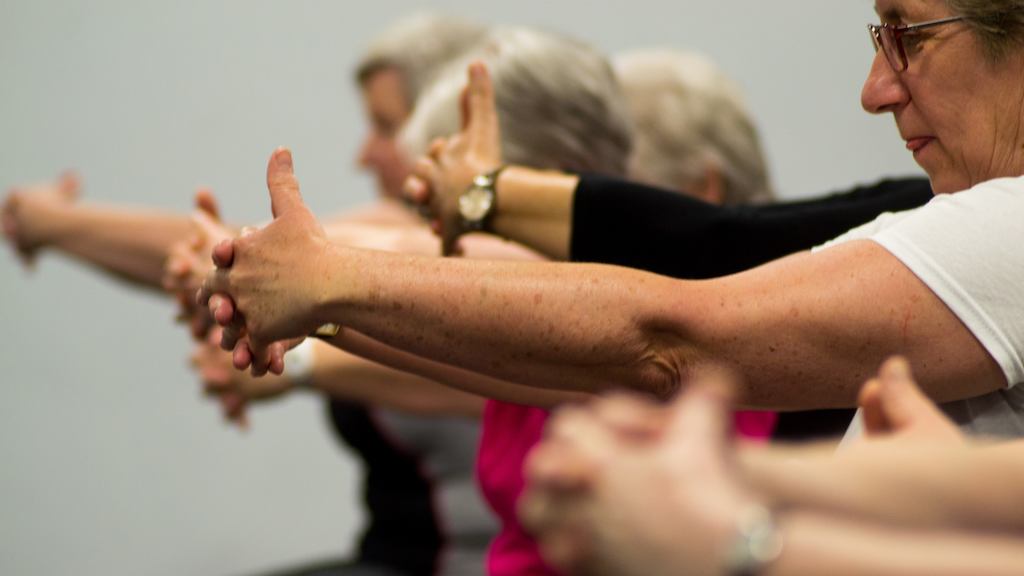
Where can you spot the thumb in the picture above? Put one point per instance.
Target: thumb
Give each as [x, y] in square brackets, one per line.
[869, 400]
[206, 227]
[206, 202]
[70, 185]
[479, 116]
[903, 403]
[283, 186]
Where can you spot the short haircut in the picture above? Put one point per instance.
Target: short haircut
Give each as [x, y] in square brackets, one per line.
[686, 115]
[999, 24]
[418, 47]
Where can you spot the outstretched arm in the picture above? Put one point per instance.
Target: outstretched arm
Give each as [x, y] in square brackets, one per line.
[795, 329]
[592, 218]
[471, 382]
[131, 244]
[333, 373]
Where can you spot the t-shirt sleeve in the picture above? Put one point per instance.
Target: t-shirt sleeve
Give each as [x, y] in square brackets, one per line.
[617, 222]
[968, 248]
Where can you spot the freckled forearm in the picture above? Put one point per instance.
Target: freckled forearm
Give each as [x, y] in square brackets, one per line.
[560, 326]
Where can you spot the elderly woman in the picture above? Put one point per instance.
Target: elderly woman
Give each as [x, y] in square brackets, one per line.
[802, 331]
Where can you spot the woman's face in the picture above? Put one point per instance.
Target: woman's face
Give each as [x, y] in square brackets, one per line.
[386, 111]
[961, 115]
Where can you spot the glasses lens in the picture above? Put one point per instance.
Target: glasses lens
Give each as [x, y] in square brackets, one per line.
[892, 48]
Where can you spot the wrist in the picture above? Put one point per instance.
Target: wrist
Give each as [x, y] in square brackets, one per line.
[337, 275]
[44, 226]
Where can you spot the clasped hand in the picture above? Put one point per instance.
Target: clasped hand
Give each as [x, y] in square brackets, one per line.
[268, 282]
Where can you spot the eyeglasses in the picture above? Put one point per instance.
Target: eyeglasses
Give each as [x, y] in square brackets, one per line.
[890, 39]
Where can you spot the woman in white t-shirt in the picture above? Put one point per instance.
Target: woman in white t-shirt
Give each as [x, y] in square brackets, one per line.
[939, 285]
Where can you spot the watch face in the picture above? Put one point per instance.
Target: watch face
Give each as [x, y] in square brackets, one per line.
[475, 204]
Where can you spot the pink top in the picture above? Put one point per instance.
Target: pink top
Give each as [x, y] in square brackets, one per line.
[509, 432]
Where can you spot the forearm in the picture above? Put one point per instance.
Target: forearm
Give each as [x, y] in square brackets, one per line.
[534, 208]
[817, 543]
[460, 381]
[127, 243]
[920, 486]
[794, 330]
[342, 375]
[569, 327]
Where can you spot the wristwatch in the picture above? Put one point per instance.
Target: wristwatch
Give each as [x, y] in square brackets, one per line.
[478, 202]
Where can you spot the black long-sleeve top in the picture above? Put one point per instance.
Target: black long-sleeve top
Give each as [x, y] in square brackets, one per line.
[618, 222]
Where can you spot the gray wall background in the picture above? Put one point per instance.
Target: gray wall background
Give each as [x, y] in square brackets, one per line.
[110, 460]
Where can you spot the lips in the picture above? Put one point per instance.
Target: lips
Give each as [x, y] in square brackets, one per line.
[915, 144]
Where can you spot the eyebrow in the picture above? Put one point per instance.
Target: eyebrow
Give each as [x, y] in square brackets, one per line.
[892, 14]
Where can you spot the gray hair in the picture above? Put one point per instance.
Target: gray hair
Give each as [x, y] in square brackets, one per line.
[418, 47]
[688, 115]
[559, 104]
[999, 24]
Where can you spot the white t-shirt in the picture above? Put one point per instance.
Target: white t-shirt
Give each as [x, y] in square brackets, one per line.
[968, 248]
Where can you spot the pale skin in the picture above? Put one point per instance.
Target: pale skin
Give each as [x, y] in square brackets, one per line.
[334, 374]
[911, 500]
[129, 244]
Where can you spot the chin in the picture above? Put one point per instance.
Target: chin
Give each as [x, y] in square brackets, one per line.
[946, 184]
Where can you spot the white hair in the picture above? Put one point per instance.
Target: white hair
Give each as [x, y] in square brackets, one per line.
[688, 116]
[418, 47]
[559, 103]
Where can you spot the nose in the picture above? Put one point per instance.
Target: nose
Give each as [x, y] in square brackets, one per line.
[883, 90]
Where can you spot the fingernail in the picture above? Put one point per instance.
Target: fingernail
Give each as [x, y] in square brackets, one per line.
[283, 157]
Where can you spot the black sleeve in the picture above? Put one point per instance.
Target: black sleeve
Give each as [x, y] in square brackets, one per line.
[618, 222]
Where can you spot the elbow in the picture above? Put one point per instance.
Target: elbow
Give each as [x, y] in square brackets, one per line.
[662, 368]
[661, 379]
[669, 358]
